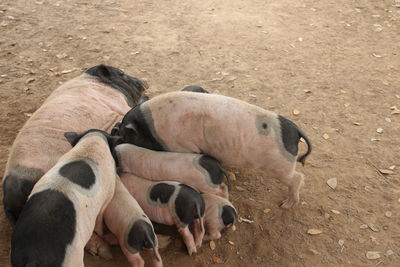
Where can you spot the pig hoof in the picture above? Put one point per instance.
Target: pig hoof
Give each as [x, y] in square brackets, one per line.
[96, 246]
[288, 203]
[192, 250]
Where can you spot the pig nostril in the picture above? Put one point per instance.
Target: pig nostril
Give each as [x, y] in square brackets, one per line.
[264, 125]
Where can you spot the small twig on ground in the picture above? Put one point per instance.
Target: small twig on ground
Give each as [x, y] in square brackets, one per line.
[376, 168]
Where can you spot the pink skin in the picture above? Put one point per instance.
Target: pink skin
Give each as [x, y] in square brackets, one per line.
[120, 215]
[93, 148]
[212, 222]
[74, 106]
[168, 166]
[138, 187]
[198, 123]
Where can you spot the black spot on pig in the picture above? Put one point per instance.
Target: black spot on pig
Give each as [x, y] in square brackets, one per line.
[213, 167]
[262, 125]
[131, 87]
[43, 231]
[137, 128]
[228, 215]
[189, 204]
[79, 172]
[195, 88]
[290, 135]
[17, 186]
[162, 192]
[140, 236]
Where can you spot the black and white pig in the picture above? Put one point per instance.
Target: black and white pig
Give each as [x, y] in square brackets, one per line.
[220, 215]
[230, 130]
[201, 172]
[66, 205]
[132, 228]
[96, 99]
[170, 203]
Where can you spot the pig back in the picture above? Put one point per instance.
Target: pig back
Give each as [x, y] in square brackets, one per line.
[228, 129]
[78, 105]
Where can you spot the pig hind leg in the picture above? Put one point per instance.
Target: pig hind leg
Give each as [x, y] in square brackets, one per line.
[188, 239]
[294, 183]
[17, 186]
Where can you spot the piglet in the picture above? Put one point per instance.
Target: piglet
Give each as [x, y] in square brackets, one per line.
[201, 172]
[133, 229]
[66, 205]
[234, 132]
[220, 215]
[170, 203]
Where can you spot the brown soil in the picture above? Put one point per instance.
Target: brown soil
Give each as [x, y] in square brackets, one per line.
[346, 53]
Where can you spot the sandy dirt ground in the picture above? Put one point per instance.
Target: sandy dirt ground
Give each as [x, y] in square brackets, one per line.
[336, 62]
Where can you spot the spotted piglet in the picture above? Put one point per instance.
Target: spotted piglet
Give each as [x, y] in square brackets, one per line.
[170, 203]
[201, 172]
[66, 205]
[234, 132]
[133, 229]
[220, 215]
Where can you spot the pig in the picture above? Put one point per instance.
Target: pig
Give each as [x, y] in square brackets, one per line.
[133, 229]
[66, 205]
[201, 172]
[170, 203]
[96, 99]
[220, 215]
[232, 131]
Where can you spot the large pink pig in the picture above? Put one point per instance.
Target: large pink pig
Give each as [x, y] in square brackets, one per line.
[232, 131]
[66, 205]
[198, 171]
[96, 99]
[170, 203]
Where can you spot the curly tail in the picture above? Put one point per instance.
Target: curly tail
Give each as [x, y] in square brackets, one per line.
[303, 157]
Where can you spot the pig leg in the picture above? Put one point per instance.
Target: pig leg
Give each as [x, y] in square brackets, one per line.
[97, 246]
[198, 232]
[135, 259]
[188, 239]
[156, 259]
[294, 183]
[17, 185]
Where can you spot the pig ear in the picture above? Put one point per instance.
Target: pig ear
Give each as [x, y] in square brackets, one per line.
[103, 73]
[131, 127]
[115, 129]
[72, 137]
